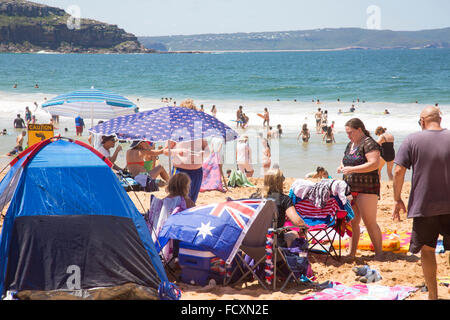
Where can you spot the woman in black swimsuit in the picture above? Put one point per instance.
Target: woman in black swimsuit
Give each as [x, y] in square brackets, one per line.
[386, 141]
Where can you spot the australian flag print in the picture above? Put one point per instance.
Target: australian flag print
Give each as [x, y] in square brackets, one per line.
[218, 227]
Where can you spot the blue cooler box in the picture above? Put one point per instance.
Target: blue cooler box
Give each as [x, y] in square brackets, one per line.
[198, 266]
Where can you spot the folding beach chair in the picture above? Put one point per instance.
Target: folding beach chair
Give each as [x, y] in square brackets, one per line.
[325, 225]
[261, 257]
[158, 213]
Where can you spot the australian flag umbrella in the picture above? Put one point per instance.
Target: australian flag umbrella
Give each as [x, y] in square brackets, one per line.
[167, 123]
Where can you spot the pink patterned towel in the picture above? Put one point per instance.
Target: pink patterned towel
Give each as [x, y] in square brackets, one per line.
[339, 291]
[212, 179]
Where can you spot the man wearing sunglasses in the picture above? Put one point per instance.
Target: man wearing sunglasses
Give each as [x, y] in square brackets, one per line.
[428, 153]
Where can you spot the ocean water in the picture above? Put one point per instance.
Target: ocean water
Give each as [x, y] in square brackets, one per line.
[284, 82]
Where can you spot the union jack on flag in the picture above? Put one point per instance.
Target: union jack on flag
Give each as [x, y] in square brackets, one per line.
[218, 227]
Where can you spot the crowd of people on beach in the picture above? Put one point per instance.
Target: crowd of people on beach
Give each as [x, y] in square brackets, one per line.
[361, 165]
[363, 159]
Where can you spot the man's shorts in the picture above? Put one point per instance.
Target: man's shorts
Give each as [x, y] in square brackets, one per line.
[79, 129]
[426, 231]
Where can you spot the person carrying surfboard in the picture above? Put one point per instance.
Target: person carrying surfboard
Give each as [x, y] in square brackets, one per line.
[238, 116]
[266, 118]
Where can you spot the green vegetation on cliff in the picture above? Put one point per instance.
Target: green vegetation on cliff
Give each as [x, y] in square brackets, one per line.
[30, 27]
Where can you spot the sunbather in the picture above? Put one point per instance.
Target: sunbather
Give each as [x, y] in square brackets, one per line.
[140, 151]
[320, 173]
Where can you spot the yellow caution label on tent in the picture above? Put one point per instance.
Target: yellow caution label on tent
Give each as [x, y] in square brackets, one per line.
[39, 132]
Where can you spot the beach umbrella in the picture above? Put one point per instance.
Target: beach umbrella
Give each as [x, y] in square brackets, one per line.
[167, 123]
[91, 103]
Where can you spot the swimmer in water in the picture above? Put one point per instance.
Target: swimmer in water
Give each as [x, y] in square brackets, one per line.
[304, 133]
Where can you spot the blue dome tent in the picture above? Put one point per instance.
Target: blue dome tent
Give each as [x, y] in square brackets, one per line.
[71, 226]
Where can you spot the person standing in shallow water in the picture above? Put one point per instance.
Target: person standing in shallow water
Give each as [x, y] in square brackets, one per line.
[360, 170]
[386, 141]
[304, 133]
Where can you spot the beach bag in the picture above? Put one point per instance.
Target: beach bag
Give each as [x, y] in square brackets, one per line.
[297, 258]
[147, 182]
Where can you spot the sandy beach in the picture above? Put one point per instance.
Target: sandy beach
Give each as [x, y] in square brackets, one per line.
[397, 269]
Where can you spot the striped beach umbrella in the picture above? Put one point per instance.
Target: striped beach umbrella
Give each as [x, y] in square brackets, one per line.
[91, 103]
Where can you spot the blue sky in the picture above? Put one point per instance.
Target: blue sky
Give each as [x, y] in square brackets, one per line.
[176, 17]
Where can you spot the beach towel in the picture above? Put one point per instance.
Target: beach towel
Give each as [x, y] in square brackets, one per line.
[338, 291]
[212, 178]
[239, 179]
[320, 192]
[318, 218]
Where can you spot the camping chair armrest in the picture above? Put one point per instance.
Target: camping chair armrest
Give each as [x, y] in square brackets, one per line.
[286, 228]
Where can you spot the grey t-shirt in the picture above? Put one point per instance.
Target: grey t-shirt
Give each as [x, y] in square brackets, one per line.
[428, 153]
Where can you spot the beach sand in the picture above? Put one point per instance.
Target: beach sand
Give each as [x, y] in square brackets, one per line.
[397, 269]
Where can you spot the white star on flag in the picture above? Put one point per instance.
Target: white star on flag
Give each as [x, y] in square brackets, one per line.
[205, 229]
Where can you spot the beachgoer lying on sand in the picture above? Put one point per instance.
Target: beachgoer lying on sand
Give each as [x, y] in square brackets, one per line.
[19, 144]
[320, 173]
[141, 152]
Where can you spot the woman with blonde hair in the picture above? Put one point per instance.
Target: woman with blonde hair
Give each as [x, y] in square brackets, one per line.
[273, 185]
[188, 103]
[386, 141]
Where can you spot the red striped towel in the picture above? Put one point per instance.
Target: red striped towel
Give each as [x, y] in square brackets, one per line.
[307, 209]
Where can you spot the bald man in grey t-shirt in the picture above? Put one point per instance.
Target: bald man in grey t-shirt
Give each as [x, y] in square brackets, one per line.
[428, 153]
